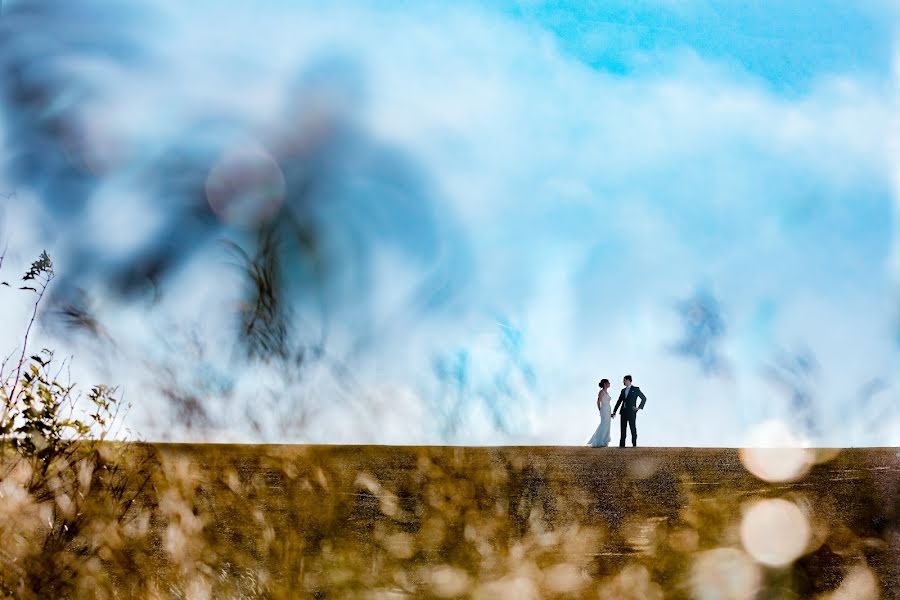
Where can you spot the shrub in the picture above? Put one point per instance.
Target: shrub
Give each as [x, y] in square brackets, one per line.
[68, 495]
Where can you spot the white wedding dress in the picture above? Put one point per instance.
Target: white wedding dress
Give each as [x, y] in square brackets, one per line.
[601, 437]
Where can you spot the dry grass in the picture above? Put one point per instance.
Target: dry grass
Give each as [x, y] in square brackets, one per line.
[437, 522]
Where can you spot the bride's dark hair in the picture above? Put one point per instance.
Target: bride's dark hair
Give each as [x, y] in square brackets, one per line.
[602, 381]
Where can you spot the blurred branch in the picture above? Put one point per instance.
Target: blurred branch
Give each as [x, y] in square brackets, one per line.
[704, 330]
[3, 257]
[795, 373]
[263, 317]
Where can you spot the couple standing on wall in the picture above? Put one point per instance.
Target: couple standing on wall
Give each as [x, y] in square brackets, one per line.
[628, 400]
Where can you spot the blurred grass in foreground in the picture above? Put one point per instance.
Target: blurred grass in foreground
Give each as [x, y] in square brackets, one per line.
[222, 521]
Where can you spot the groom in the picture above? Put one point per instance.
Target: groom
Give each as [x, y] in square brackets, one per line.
[629, 397]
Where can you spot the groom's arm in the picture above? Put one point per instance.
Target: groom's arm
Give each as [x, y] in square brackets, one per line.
[643, 399]
[618, 403]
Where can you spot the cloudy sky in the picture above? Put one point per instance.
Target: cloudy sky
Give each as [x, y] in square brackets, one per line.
[704, 195]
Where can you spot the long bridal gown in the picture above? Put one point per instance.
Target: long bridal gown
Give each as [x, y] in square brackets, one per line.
[601, 437]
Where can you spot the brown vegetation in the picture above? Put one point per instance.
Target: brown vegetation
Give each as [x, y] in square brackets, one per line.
[318, 521]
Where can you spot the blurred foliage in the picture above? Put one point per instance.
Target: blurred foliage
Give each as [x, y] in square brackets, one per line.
[320, 210]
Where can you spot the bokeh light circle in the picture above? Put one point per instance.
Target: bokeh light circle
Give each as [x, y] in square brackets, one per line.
[245, 187]
[860, 583]
[725, 574]
[775, 532]
[778, 464]
[774, 454]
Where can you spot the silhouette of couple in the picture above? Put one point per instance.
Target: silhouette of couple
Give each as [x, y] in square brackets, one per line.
[628, 401]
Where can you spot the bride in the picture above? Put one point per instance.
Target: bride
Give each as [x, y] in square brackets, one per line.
[601, 437]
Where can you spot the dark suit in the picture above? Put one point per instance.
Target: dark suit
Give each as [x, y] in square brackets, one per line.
[629, 412]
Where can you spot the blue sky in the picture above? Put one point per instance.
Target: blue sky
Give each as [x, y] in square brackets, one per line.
[789, 47]
[607, 178]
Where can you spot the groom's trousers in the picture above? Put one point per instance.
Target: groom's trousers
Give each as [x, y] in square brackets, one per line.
[629, 419]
